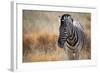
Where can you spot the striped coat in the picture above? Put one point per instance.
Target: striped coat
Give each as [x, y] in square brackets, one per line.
[71, 36]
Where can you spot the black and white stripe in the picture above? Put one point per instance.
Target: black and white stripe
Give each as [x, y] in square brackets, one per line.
[71, 36]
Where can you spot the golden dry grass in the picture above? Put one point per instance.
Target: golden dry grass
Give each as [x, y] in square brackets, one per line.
[42, 46]
[40, 34]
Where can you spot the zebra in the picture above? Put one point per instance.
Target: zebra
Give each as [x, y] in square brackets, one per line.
[71, 36]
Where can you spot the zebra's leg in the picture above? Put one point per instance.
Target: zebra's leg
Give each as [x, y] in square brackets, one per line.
[72, 55]
[69, 54]
[76, 55]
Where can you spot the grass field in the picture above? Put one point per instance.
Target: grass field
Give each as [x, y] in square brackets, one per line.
[40, 35]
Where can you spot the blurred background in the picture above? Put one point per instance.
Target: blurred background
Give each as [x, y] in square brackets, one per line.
[40, 34]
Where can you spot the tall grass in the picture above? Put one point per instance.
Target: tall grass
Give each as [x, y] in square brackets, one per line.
[39, 45]
[42, 46]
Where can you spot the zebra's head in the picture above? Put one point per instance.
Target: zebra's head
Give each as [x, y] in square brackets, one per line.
[66, 24]
[65, 29]
[65, 19]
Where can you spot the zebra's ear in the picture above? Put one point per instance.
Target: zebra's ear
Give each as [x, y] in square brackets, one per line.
[59, 18]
